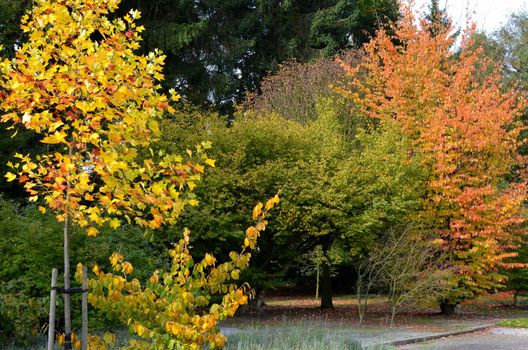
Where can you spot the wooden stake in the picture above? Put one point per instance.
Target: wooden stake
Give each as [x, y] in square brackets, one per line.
[84, 334]
[53, 302]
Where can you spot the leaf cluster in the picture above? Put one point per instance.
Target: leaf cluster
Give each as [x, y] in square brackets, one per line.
[174, 310]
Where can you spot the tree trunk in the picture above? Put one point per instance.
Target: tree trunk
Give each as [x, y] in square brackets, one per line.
[67, 302]
[326, 287]
[317, 284]
[392, 315]
[447, 308]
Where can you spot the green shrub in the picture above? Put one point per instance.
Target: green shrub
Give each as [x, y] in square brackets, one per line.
[31, 245]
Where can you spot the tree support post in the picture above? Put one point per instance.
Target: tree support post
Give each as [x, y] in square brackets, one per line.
[84, 335]
[53, 303]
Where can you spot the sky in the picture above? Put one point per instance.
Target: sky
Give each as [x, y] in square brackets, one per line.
[489, 15]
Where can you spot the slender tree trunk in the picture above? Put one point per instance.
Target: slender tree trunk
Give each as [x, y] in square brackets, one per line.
[326, 287]
[317, 284]
[393, 314]
[67, 300]
[359, 289]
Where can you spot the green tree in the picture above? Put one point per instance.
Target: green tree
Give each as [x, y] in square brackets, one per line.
[218, 50]
[437, 18]
[337, 192]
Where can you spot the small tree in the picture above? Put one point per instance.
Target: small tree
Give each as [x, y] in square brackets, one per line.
[78, 83]
[167, 310]
[407, 267]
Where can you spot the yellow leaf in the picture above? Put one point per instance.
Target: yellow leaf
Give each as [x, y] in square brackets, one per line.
[10, 176]
[157, 189]
[33, 198]
[92, 231]
[127, 268]
[115, 223]
[154, 278]
[235, 274]
[115, 258]
[257, 211]
[57, 137]
[209, 259]
[260, 226]
[42, 209]
[251, 232]
[210, 162]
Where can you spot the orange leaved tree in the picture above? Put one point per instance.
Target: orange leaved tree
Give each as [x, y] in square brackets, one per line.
[79, 85]
[465, 125]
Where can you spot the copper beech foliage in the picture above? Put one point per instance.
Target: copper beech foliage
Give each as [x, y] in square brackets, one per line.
[465, 124]
[166, 311]
[78, 83]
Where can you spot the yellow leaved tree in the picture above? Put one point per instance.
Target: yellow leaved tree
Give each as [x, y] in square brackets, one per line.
[79, 85]
[166, 311]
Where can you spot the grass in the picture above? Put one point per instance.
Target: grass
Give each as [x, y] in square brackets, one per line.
[289, 337]
[35, 343]
[517, 323]
[295, 337]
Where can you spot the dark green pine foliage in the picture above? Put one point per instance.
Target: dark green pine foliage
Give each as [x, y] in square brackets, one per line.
[437, 18]
[518, 277]
[217, 50]
[10, 13]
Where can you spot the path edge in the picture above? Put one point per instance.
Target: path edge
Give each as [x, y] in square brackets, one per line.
[437, 336]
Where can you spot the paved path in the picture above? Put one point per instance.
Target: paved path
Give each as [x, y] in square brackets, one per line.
[492, 339]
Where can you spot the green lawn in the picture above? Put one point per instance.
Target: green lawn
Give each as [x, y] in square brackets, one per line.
[295, 337]
[517, 323]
